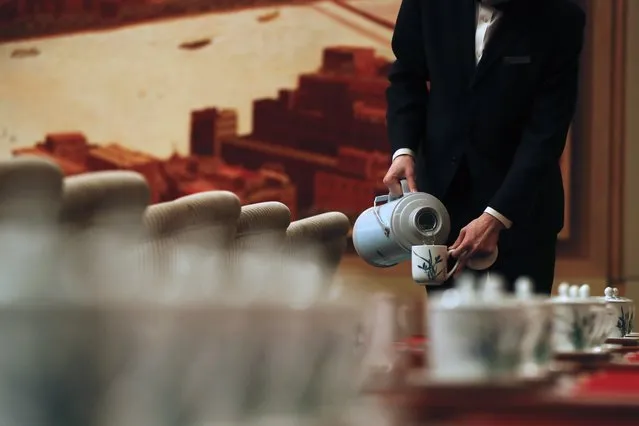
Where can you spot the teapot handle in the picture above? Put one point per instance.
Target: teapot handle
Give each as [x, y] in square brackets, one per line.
[387, 199]
[405, 190]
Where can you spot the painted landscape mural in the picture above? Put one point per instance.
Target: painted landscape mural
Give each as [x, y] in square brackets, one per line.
[273, 100]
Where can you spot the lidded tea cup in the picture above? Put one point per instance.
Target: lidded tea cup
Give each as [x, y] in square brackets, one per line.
[537, 342]
[624, 313]
[475, 334]
[577, 319]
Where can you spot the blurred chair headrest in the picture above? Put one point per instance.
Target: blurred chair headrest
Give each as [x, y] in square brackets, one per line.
[104, 196]
[30, 189]
[197, 211]
[263, 217]
[322, 237]
[320, 228]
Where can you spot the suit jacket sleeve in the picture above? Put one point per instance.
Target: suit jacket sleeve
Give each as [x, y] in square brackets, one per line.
[407, 94]
[544, 136]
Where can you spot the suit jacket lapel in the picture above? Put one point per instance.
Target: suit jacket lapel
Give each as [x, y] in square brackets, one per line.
[509, 31]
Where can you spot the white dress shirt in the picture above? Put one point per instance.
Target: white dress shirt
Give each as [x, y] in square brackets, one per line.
[486, 19]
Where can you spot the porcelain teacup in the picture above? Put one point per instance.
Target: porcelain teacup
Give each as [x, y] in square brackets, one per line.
[577, 320]
[430, 264]
[537, 343]
[475, 335]
[623, 313]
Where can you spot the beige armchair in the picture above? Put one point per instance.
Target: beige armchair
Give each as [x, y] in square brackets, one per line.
[262, 226]
[30, 190]
[207, 219]
[322, 237]
[101, 219]
[186, 233]
[106, 198]
[30, 197]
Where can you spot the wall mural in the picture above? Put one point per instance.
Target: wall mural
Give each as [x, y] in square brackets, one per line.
[273, 100]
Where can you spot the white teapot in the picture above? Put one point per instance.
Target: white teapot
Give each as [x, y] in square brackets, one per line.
[384, 234]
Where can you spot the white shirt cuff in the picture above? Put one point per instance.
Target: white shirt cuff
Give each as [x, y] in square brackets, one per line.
[403, 151]
[500, 217]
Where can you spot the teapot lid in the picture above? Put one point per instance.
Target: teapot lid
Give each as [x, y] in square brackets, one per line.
[611, 294]
[420, 218]
[574, 294]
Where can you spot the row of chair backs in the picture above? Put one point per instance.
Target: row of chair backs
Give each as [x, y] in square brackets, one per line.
[35, 190]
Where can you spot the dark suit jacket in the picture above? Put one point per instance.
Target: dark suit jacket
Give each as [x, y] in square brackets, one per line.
[508, 117]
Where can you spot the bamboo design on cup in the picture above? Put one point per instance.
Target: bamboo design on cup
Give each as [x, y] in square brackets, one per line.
[430, 265]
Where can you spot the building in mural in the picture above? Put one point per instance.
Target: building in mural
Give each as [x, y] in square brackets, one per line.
[319, 147]
[329, 134]
[170, 178]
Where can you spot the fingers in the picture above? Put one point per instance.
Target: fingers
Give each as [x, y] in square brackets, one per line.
[393, 184]
[464, 246]
[461, 254]
[458, 241]
[410, 178]
[402, 168]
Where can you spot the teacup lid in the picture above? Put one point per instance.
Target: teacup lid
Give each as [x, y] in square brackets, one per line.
[524, 291]
[523, 288]
[469, 293]
[492, 288]
[611, 294]
[574, 294]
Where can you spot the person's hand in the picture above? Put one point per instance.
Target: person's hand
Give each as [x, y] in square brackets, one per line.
[479, 237]
[403, 167]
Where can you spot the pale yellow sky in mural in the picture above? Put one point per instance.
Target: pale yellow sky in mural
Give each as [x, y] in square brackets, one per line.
[136, 87]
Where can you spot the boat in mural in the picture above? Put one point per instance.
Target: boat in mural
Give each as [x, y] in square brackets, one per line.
[25, 52]
[266, 17]
[195, 44]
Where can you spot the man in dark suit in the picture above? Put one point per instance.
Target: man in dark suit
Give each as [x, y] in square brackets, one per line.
[487, 135]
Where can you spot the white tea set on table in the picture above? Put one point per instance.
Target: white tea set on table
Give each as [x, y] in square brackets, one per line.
[412, 226]
[584, 323]
[479, 335]
[475, 333]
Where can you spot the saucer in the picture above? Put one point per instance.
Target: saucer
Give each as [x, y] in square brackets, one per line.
[623, 341]
[624, 349]
[578, 362]
[583, 357]
[425, 380]
[622, 366]
[432, 393]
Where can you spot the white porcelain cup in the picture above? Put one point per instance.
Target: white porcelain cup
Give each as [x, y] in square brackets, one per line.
[430, 264]
[606, 322]
[622, 312]
[475, 342]
[385, 323]
[577, 320]
[537, 346]
[624, 318]
[537, 342]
